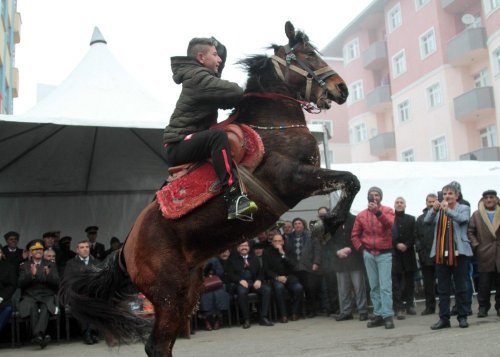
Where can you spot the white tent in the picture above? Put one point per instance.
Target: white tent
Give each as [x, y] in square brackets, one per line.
[89, 153]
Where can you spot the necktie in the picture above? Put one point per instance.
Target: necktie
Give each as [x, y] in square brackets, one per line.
[86, 261]
[298, 247]
[246, 264]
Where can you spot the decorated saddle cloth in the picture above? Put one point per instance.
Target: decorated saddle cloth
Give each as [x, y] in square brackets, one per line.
[199, 182]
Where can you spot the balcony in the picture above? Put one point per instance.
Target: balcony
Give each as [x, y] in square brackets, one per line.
[382, 143]
[17, 28]
[467, 46]
[475, 104]
[15, 82]
[483, 154]
[456, 7]
[375, 57]
[379, 100]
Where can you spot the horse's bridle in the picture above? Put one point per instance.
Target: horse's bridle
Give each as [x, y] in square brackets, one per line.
[320, 75]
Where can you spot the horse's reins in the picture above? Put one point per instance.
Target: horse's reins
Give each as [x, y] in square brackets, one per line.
[319, 75]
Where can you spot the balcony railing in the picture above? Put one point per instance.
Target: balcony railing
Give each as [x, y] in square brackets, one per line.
[467, 46]
[483, 154]
[476, 104]
[375, 57]
[382, 143]
[379, 99]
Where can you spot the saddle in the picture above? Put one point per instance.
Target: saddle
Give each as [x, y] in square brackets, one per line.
[191, 185]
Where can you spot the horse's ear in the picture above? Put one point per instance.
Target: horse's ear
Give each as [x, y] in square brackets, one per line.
[290, 31]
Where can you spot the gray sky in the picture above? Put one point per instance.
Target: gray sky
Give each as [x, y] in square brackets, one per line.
[143, 35]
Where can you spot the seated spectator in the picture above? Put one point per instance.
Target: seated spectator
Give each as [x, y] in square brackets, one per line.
[39, 283]
[214, 303]
[50, 255]
[114, 245]
[13, 254]
[245, 272]
[278, 269]
[7, 287]
[75, 266]
[258, 251]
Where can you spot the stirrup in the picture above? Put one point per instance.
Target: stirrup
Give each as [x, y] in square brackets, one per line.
[242, 217]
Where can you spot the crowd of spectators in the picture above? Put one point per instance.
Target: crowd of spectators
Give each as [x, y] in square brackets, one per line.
[366, 268]
[30, 278]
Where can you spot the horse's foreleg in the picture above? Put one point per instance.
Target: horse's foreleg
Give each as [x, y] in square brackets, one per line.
[321, 181]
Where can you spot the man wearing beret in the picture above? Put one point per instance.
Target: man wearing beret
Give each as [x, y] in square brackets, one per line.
[13, 254]
[372, 235]
[484, 234]
[39, 283]
[97, 249]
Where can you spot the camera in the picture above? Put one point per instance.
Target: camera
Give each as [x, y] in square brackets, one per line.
[440, 196]
[370, 198]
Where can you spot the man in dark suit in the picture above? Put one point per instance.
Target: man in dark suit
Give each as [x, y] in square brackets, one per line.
[13, 254]
[39, 283]
[74, 267]
[404, 261]
[97, 249]
[246, 273]
[278, 269]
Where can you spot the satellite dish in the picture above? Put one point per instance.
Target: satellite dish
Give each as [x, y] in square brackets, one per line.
[468, 19]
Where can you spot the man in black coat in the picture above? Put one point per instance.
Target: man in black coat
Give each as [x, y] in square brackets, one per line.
[423, 243]
[278, 269]
[39, 283]
[8, 284]
[404, 261]
[246, 273]
[341, 257]
[13, 254]
[97, 249]
[74, 267]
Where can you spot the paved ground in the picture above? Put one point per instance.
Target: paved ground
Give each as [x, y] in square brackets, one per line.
[316, 337]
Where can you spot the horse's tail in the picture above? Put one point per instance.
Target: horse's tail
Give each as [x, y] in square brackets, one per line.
[100, 296]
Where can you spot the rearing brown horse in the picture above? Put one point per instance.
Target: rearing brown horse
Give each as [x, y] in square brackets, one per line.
[163, 258]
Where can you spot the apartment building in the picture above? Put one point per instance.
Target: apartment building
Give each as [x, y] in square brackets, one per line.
[9, 37]
[423, 76]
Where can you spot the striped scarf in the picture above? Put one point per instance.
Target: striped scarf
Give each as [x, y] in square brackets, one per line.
[446, 253]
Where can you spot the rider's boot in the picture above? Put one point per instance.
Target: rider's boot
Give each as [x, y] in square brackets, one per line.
[238, 204]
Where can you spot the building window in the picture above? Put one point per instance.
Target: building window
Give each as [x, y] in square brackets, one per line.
[355, 92]
[420, 4]
[358, 133]
[481, 78]
[351, 51]
[495, 59]
[394, 18]
[427, 43]
[399, 63]
[439, 149]
[488, 136]
[324, 123]
[408, 155]
[404, 111]
[434, 97]
[491, 5]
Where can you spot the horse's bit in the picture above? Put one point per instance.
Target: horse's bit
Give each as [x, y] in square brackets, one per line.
[319, 75]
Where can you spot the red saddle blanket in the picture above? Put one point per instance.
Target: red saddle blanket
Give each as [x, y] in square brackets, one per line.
[201, 184]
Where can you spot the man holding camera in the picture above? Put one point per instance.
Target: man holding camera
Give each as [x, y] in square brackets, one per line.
[372, 235]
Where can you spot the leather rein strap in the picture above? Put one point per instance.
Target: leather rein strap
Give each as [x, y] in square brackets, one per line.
[319, 75]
